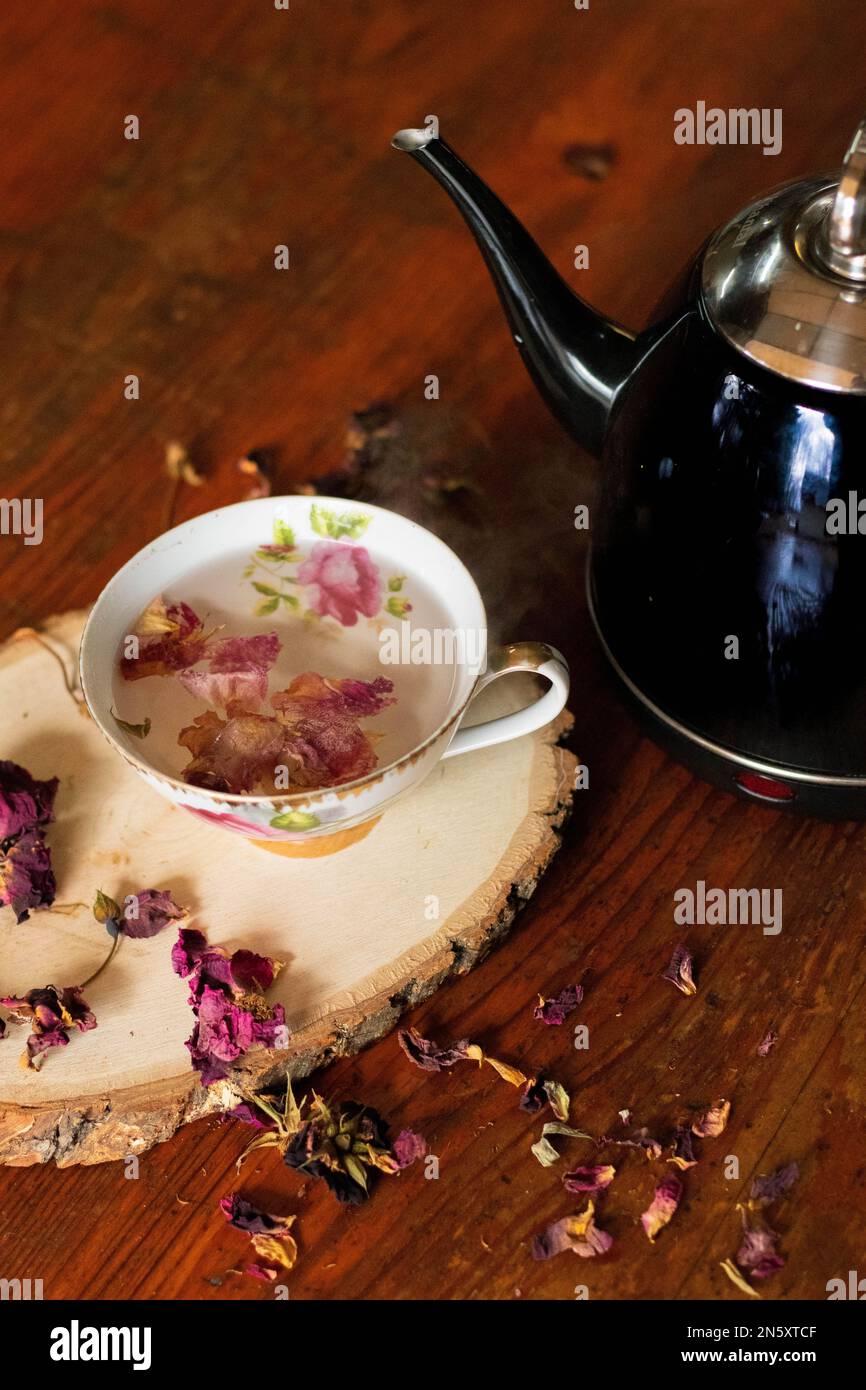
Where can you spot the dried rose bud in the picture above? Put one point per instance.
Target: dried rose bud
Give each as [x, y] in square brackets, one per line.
[344, 1148]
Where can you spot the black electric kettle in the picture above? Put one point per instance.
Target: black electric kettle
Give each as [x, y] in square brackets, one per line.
[727, 575]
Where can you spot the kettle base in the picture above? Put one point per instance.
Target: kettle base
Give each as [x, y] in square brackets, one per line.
[779, 788]
[782, 788]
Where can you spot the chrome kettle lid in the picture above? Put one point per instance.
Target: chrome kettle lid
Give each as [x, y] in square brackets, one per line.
[785, 280]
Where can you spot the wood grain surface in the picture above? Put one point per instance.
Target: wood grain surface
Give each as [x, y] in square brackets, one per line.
[261, 127]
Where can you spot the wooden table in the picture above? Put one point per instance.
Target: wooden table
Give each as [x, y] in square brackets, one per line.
[155, 257]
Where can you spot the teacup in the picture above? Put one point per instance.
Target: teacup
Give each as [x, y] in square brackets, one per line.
[352, 592]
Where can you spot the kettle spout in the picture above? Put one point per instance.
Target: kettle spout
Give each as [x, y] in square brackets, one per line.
[577, 358]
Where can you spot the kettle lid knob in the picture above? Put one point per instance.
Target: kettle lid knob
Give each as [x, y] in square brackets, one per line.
[841, 239]
[785, 280]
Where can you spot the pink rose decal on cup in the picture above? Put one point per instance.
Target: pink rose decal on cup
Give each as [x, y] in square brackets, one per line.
[341, 581]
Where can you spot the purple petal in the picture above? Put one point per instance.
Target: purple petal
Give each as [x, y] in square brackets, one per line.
[154, 909]
[555, 1011]
[408, 1147]
[25, 803]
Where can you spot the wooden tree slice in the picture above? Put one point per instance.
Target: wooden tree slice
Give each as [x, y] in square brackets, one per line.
[354, 929]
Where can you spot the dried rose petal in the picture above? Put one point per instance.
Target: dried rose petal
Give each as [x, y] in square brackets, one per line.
[322, 735]
[225, 997]
[683, 1153]
[558, 1099]
[408, 1147]
[534, 1096]
[26, 877]
[310, 695]
[592, 1178]
[555, 1011]
[237, 754]
[171, 638]
[758, 1254]
[576, 1233]
[768, 1042]
[511, 1074]
[679, 972]
[666, 1199]
[765, 1190]
[187, 950]
[237, 670]
[53, 1013]
[314, 735]
[712, 1123]
[148, 912]
[281, 1251]
[25, 803]
[224, 1031]
[250, 1115]
[241, 1213]
[640, 1139]
[539, 1092]
[251, 972]
[428, 1055]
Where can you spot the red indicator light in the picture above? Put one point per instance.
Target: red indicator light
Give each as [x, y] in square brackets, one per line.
[764, 788]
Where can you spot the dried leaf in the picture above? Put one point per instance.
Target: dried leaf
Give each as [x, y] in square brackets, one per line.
[736, 1278]
[136, 730]
[543, 1148]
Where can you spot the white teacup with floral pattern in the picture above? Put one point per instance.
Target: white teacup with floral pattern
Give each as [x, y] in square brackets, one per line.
[350, 592]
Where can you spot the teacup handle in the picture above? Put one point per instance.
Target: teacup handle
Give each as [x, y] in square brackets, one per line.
[536, 657]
